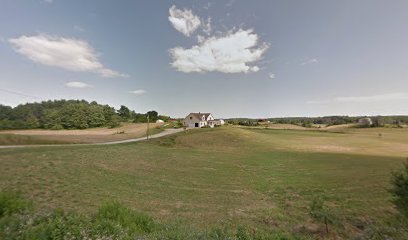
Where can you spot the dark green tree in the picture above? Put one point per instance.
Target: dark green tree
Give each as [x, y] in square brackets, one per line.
[67, 114]
[139, 118]
[124, 112]
[153, 115]
[52, 119]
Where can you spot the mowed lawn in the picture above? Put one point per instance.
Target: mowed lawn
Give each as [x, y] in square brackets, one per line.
[261, 178]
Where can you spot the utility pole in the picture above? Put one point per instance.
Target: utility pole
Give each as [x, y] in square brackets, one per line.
[147, 130]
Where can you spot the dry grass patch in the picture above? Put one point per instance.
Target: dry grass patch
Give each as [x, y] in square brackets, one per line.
[93, 135]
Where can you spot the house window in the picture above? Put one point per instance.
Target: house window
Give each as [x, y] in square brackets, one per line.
[191, 117]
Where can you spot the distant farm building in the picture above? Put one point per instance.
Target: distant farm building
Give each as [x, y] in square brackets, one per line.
[199, 120]
[366, 122]
[159, 121]
[219, 122]
[263, 120]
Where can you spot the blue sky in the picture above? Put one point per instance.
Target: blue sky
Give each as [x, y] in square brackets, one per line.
[232, 58]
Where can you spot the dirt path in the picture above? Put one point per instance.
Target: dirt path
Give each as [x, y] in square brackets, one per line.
[164, 133]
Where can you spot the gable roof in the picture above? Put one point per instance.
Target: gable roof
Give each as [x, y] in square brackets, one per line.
[199, 115]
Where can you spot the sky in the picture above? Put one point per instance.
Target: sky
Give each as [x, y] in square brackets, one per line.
[233, 58]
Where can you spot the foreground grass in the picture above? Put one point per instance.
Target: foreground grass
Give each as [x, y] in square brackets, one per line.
[228, 177]
[113, 220]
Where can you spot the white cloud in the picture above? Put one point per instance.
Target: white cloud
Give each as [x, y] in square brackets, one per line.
[207, 27]
[200, 38]
[365, 99]
[67, 53]
[310, 61]
[138, 92]
[184, 20]
[229, 54]
[271, 75]
[77, 85]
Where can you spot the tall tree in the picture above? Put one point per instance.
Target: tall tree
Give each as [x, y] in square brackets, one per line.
[124, 112]
[153, 115]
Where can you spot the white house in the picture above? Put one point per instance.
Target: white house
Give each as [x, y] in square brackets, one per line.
[200, 120]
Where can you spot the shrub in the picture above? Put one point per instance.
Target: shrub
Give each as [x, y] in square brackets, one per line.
[399, 189]
[320, 212]
[114, 213]
[12, 203]
[113, 220]
[242, 233]
[55, 225]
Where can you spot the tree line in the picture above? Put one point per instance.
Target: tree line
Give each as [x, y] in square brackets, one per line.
[377, 121]
[69, 114]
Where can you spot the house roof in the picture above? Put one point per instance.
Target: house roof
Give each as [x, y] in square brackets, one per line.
[200, 115]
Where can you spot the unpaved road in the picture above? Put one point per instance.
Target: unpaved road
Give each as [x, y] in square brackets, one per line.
[161, 134]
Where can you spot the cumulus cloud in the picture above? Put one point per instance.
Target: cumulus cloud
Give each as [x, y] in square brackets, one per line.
[365, 99]
[310, 61]
[67, 53]
[207, 27]
[184, 20]
[231, 53]
[271, 75]
[138, 92]
[77, 85]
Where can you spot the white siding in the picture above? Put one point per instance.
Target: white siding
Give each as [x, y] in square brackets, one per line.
[193, 121]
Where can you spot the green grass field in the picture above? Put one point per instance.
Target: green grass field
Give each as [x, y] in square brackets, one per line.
[258, 178]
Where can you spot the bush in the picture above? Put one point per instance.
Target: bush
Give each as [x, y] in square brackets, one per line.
[114, 213]
[56, 225]
[114, 121]
[113, 220]
[399, 189]
[12, 203]
[320, 212]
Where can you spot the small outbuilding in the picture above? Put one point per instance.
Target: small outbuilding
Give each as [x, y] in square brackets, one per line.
[365, 122]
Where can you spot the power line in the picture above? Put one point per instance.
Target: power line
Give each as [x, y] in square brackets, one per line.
[20, 94]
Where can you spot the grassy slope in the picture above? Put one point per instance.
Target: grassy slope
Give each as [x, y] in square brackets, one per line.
[237, 176]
